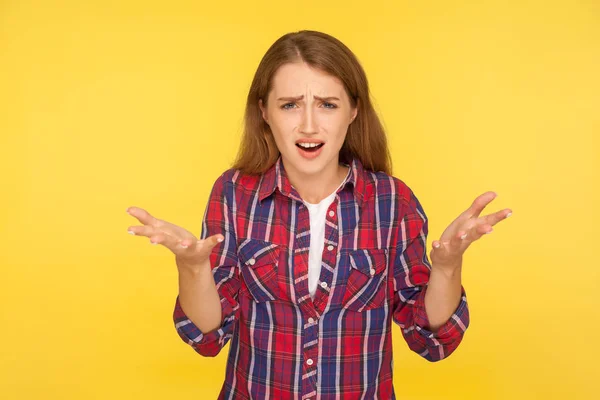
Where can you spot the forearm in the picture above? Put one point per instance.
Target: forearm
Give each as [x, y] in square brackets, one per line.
[443, 295]
[199, 298]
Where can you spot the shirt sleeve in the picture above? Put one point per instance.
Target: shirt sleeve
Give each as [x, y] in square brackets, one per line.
[411, 276]
[218, 218]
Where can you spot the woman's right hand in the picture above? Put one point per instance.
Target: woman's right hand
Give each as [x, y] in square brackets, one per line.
[191, 254]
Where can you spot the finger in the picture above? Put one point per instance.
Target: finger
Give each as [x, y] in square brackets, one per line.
[171, 242]
[197, 251]
[150, 231]
[454, 243]
[205, 246]
[480, 203]
[479, 230]
[459, 240]
[156, 223]
[145, 230]
[469, 235]
[493, 219]
[143, 216]
[158, 236]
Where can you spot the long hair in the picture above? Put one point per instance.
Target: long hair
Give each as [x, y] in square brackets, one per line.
[365, 138]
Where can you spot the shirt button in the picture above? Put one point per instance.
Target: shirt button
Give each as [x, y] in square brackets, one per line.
[311, 320]
[252, 261]
[309, 361]
[372, 271]
[324, 285]
[330, 247]
[331, 213]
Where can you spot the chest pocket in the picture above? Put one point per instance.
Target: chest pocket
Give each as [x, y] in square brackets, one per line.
[365, 286]
[258, 266]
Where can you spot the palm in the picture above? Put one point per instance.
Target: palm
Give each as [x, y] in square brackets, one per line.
[189, 251]
[468, 227]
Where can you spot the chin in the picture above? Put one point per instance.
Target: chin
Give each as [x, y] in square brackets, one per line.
[311, 167]
[303, 166]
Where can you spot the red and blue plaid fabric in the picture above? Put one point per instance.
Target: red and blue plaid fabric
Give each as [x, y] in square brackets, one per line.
[375, 269]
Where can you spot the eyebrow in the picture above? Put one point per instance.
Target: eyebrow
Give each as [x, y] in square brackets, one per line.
[328, 98]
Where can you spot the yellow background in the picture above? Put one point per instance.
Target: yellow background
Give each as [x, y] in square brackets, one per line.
[109, 104]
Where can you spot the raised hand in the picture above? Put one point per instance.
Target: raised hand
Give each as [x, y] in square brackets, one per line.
[190, 253]
[447, 252]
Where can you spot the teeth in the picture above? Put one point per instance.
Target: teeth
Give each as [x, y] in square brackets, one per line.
[308, 145]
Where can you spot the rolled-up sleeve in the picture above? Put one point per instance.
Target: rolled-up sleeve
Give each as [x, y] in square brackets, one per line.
[411, 276]
[218, 218]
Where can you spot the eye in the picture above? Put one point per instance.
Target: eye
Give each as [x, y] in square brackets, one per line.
[285, 106]
[330, 105]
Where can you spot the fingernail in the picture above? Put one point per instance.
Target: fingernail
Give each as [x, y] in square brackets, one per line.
[463, 236]
[220, 239]
[131, 232]
[185, 247]
[151, 242]
[508, 215]
[437, 245]
[487, 233]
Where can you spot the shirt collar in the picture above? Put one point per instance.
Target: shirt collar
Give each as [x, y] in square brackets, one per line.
[276, 178]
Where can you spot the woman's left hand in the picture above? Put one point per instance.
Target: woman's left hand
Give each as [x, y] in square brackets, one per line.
[447, 252]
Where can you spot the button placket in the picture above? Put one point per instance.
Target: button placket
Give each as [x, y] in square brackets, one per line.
[310, 337]
[301, 259]
[329, 258]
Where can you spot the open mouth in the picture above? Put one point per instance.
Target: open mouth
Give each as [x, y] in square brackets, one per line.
[310, 147]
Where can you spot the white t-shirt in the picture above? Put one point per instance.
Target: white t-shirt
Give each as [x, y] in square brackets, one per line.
[318, 216]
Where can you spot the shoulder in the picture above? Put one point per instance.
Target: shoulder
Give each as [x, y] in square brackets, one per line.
[235, 179]
[388, 189]
[381, 184]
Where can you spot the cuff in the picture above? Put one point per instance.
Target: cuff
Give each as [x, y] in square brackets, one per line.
[452, 331]
[191, 334]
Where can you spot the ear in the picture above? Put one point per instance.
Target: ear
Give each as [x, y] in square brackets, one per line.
[263, 110]
[354, 112]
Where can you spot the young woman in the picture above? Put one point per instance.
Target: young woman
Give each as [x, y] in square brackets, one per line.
[310, 248]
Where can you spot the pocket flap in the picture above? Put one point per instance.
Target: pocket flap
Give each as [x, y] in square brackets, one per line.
[367, 260]
[255, 253]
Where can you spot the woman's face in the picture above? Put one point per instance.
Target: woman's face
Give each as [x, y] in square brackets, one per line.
[306, 108]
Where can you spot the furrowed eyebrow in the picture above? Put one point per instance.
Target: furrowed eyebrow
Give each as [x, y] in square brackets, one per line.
[329, 98]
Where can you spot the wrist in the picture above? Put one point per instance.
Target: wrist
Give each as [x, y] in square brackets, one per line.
[194, 270]
[447, 271]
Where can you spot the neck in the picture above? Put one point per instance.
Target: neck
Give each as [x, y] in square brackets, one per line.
[313, 188]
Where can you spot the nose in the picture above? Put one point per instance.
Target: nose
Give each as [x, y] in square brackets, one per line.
[308, 123]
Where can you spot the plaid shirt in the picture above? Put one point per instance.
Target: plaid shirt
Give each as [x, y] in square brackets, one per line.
[375, 269]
